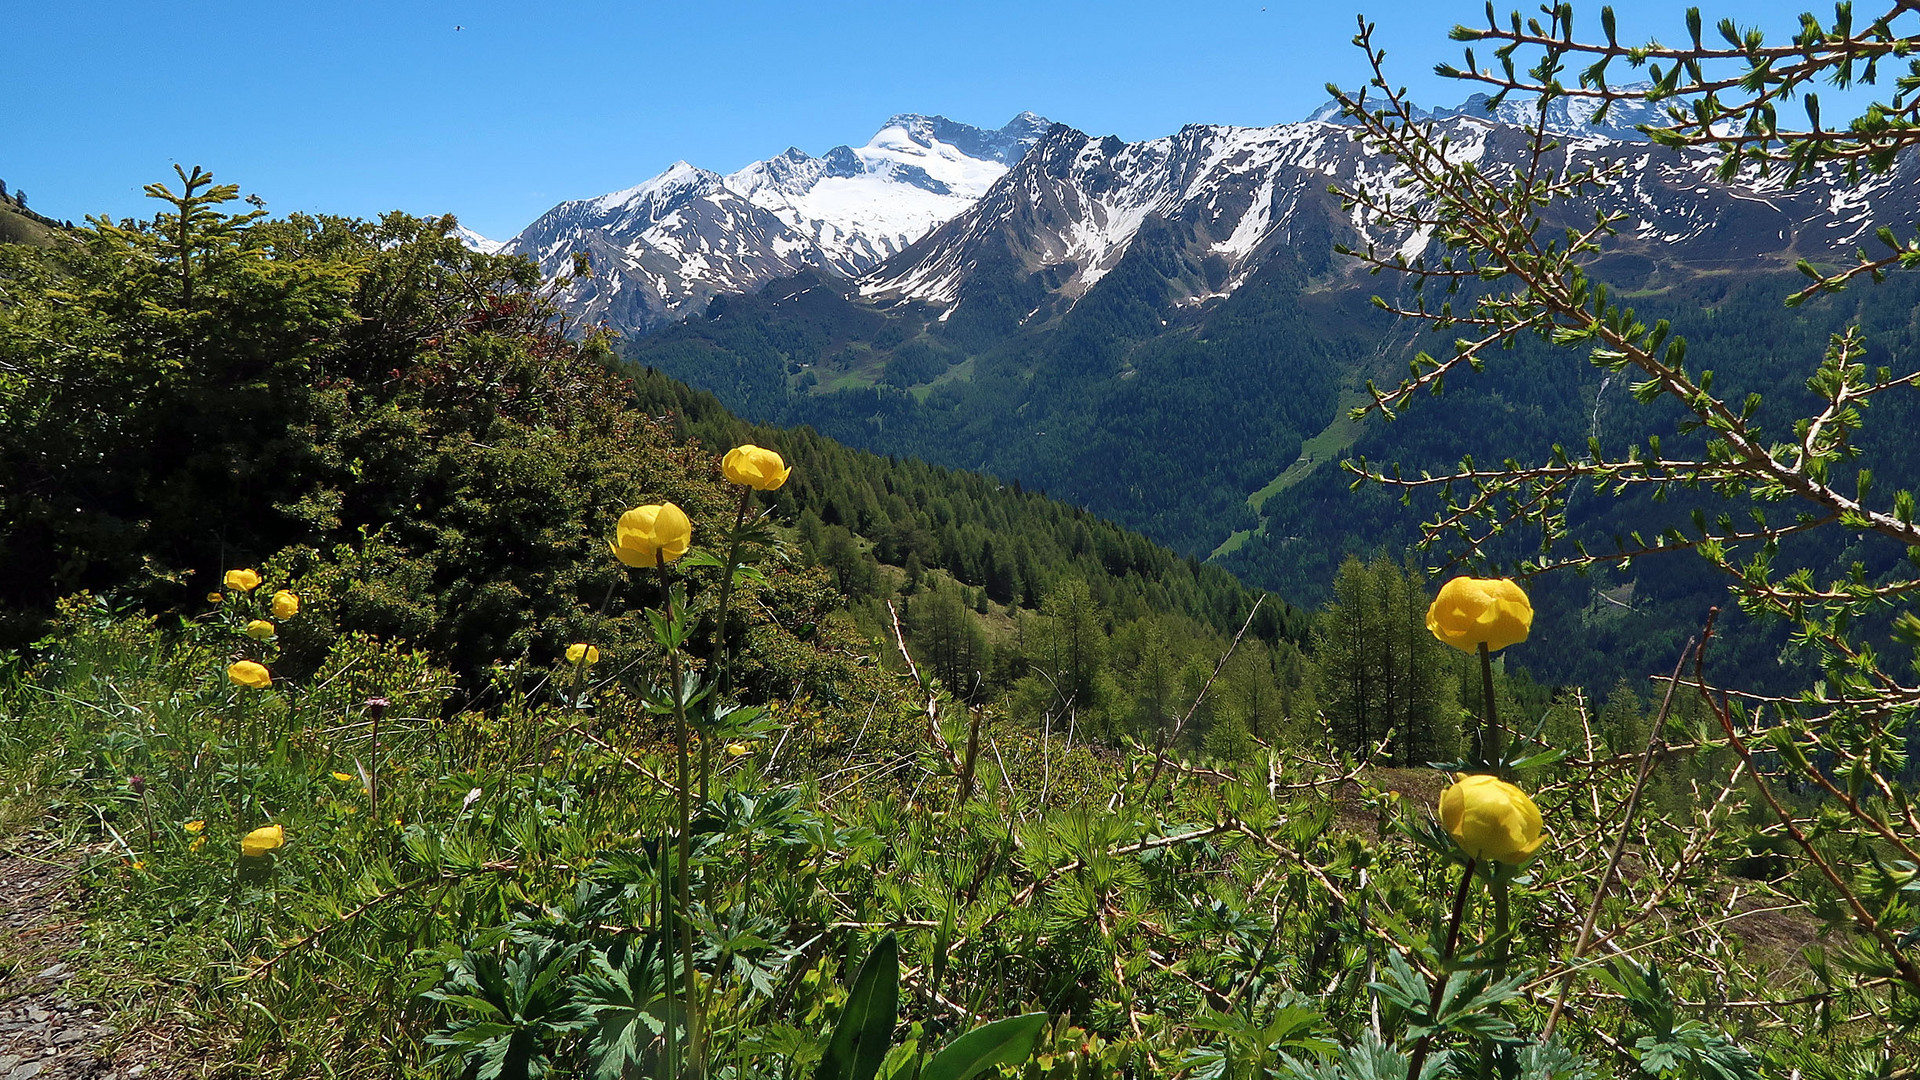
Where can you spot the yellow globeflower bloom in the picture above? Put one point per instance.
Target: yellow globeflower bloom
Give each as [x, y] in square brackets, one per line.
[343, 777]
[195, 827]
[738, 749]
[262, 840]
[575, 652]
[243, 580]
[755, 467]
[1491, 819]
[1471, 610]
[214, 598]
[260, 630]
[285, 605]
[249, 674]
[652, 535]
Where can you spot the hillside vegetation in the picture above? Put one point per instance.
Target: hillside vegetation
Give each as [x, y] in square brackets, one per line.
[392, 724]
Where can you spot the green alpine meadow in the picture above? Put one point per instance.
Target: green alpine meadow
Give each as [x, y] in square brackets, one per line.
[1415, 593]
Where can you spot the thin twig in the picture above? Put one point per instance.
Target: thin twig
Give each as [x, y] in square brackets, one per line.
[1619, 845]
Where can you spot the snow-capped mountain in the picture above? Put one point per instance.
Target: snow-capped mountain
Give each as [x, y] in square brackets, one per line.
[476, 242]
[1226, 197]
[1565, 115]
[661, 249]
[918, 211]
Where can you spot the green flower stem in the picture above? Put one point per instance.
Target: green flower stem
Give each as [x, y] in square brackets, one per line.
[1491, 750]
[1497, 883]
[719, 667]
[1446, 956]
[685, 824]
[663, 918]
[726, 586]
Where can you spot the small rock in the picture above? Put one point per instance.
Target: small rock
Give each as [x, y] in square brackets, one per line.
[28, 1071]
[38, 1016]
[136, 1072]
[56, 972]
[71, 1035]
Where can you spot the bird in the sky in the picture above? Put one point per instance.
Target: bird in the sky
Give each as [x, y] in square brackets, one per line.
[463, 28]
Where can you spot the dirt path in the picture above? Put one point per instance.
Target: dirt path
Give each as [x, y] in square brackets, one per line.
[47, 1033]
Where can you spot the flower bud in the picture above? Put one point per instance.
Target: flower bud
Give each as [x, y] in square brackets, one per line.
[1491, 819]
[755, 467]
[652, 535]
[262, 840]
[249, 674]
[1473, 611]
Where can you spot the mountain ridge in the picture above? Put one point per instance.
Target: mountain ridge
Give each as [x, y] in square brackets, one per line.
[662, 248]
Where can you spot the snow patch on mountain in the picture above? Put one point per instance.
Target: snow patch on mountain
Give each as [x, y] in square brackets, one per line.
[860, 205]
[1565, 115]
[476, 242]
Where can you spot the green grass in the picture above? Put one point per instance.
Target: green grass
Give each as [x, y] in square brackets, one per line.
[1161, 916]
[1323, 449]
[18, 228]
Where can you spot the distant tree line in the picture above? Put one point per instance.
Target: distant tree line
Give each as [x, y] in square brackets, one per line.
[857, 513]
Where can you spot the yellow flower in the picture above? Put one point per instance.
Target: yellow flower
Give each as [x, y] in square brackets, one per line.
[214, 598]
[285, 605]
[198, 843]
[738, 749]
[652, 535]
[262, 840]
[260, 630]
[754, 467]
[345, 778]
[139, 864]
[195, 827]
[575, 652]
[249, 674]
[243, 580]
[1491, 819]
[1470, 611]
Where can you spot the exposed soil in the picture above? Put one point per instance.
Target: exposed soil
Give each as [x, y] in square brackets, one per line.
[47, 1030]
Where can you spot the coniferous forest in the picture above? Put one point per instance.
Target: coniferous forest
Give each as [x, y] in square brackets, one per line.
[399, 678]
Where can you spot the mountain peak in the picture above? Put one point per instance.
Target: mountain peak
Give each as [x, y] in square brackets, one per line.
[679, 177]
[1005, 146]
[1565, 115]
[686, 234]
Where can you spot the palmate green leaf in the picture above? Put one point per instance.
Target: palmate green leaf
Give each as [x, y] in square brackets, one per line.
[623, 993]
[1553, 1061]
[1403, 987]
[1368, 1059]
[1003, 1042]
[860, 1040]
[1694, 1049]
[516, 1010]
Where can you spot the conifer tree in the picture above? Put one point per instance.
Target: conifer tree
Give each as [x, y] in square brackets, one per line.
[1377, 669]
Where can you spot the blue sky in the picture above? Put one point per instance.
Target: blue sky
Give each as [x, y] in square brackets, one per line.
[357, 108]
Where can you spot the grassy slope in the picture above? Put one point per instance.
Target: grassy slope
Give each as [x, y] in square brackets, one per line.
[19, 228]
